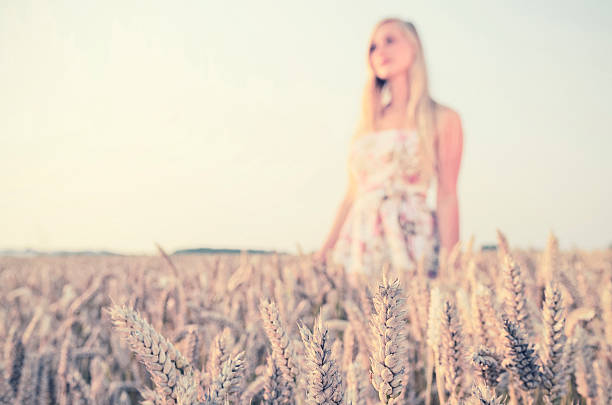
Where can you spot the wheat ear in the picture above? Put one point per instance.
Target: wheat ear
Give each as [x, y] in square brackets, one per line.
[483, 395]
[219, 353]
[488, 364]
[521, 358]
[451, 351]
[274, 387]
[388, 341]
[186, 391]
[554, 373]
[516, 301]
[165, 363]
[324, 380]
[228, 384]
[282, 352]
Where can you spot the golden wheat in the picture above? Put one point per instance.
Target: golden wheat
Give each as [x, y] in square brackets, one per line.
[231, 329]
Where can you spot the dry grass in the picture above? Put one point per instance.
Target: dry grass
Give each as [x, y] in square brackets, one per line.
[508, 327]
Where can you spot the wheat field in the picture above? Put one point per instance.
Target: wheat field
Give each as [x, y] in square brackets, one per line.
[508, 326]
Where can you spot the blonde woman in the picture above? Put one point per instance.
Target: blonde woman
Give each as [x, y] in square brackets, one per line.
[405, 147]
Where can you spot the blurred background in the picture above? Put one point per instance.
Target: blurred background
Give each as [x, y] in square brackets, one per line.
[226, 125]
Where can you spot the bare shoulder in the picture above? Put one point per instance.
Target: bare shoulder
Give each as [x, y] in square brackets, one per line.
[449, 134]
[448, 121]
[449, 148]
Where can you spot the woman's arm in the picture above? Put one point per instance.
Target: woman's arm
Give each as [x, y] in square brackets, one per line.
[450, 147]
[339, 219]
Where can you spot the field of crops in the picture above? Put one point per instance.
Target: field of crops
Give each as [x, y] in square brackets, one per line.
[501, 326]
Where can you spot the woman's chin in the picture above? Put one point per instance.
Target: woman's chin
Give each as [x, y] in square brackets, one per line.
[386, 74]
[383, 75]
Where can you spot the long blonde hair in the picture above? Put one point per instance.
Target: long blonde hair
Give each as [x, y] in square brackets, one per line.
[421, 107]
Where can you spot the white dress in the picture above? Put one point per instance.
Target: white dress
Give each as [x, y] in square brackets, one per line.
[391, 220]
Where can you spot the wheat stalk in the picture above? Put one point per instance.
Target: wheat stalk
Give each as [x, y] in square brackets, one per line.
[29, 381]
[79, 389]
[356, 386]
[6, 391]
[586, 382]
[14, 355]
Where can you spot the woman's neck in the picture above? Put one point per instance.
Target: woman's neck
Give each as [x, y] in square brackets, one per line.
[399, 87]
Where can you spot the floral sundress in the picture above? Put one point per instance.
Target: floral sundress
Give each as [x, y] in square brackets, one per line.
[391, 220]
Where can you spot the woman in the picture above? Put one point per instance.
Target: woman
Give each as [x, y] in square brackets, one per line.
[405, 144]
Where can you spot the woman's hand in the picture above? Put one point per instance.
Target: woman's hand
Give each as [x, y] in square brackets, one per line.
[320, 257]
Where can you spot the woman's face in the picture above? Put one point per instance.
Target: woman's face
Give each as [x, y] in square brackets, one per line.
[391, 52]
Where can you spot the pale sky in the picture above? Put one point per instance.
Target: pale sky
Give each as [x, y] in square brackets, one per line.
[226, 124]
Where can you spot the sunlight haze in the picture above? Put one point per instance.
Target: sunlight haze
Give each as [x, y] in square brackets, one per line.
[226, 125]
